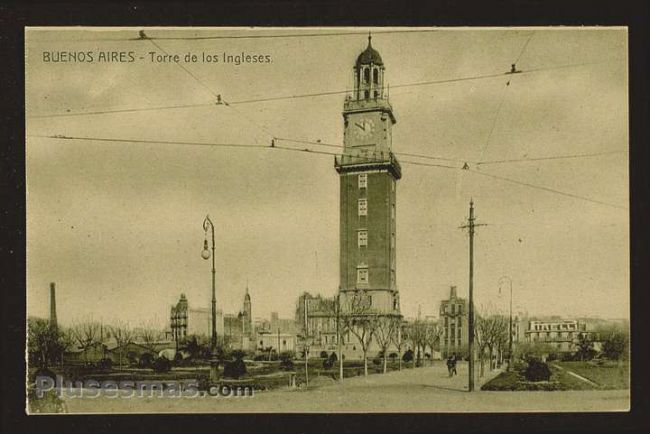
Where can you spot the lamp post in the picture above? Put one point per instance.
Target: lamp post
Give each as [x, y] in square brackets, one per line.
[509, 279]
[205, 254]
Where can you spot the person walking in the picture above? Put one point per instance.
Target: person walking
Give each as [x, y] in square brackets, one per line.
[453, 365]
[450, 365]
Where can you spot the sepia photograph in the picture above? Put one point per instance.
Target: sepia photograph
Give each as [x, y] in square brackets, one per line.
[327, 220]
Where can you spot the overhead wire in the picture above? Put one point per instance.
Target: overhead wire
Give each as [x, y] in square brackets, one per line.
[307, 95]
[362, 158]
[217, 96]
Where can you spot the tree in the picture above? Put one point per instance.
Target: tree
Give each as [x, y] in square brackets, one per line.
[533, 350]
[46, 343]
[418, 336]
[360, 320]
[399, 343]
[385, 334]
[585, 347]
[490, 329]
[615, 346]
[123, 336]
[432, 335]
[197, 347]
[85, 334]
[148, 335]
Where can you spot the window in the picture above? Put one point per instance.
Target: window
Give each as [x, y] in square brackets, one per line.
[363, 207]
[362, 238]
[392, 185]
[362, 275]
[375, 76]
[366, 75]
[392, 240]
[367, 94]
[392, 211]
[363, 180]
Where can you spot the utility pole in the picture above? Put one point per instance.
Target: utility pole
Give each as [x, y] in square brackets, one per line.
[338, 334]
[470, 317]
[306, 346]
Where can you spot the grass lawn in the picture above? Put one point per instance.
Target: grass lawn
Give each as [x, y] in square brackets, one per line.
[609, 375]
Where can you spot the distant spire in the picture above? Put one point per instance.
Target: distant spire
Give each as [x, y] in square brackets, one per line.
[369, 38]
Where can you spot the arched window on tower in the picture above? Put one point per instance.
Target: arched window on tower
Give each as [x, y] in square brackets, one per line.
[366, 75]
[375, 76]
[367, 94]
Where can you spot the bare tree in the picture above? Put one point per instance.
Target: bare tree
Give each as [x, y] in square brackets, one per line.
[385, 334]
[148, 334]
[123, 335]
[85, 334]
[417, 335]
[398, 339]
[491, 328]
[360, 320]
[432, 335]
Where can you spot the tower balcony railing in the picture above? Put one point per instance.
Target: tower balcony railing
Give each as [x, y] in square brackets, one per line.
[371, 160]
[353, 104]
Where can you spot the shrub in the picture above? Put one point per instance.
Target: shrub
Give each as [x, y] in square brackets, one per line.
[519, 366]
[234, 369]
[323, 354]
[161, 364]
[567, 357]
[393, 356]
[145, 360]
[333, 358]
[105, 363]
[615, 346]
[377, 361]
[328, 363]
[408, 356]
[286, 361]
[260, 357]
[238, 354]
[287, 355]
[537, 371]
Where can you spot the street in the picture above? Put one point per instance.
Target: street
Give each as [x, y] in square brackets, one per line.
[427, 389]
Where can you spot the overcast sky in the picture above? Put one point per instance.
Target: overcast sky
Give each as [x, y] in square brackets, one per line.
[118, 226]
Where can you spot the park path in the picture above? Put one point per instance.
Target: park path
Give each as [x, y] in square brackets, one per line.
[427, 389]
[579, 377]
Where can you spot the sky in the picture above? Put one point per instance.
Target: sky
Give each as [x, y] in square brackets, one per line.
[118, 225]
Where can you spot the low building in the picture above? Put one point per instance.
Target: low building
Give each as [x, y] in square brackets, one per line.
[562, 335]
[279, 342]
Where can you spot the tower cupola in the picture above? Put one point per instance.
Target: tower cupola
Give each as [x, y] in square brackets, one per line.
[369, 74]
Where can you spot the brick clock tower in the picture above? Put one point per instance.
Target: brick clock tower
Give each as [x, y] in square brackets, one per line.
[369, 172]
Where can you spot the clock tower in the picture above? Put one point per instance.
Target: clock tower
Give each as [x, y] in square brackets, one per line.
[368, 172]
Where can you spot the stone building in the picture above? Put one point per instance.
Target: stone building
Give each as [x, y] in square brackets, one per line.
[453, 320]
[235, 331]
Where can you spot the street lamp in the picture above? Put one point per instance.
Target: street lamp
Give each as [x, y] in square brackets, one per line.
[205, 254]
[509, 279]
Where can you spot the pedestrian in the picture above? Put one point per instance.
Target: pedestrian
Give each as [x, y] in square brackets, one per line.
[450, 365]
[453, 365]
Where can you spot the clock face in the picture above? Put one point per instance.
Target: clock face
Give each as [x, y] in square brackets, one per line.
[363, 127]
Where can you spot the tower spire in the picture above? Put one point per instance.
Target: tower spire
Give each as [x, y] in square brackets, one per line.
[369, 38]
